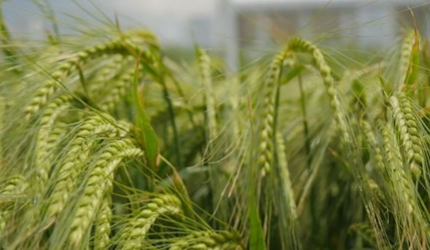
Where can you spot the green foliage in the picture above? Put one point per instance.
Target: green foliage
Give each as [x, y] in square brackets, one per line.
[113, 145]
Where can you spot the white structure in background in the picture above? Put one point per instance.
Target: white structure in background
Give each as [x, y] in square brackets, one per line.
[202, 31]
[228, 31]
[256, 24]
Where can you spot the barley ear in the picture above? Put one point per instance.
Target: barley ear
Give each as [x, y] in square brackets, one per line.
[73, 163]
[301, 45]
[133, 234]
[205, 77]
[99, 181]
[407, 127]
[47, 138]
[374, 147]
[409, 62]
[125, 45]
[103, 224]
[209, 240]
[267, 126]
[10, 192]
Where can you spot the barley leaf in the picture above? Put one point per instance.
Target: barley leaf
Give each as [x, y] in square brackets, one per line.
[256, 235]
[146, 133]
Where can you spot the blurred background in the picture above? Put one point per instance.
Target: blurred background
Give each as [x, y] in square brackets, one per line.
[232, 27]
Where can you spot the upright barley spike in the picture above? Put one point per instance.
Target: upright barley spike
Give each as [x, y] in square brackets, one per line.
[206, 79]
[267, 135]
[407, 127]
[406, 210]
[409, 62]
[397, 176]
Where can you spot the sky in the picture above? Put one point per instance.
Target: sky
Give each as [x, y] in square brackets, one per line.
[177, 22]
[169, 19]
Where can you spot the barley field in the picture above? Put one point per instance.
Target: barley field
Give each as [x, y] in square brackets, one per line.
[112, 144]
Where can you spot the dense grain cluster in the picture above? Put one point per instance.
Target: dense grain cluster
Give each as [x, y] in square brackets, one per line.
[408, 130]
[73, 162]
[80, 153]
[123, 45]
[10, 193]
[398, 178]
[133, 234]
[208, 240]
[48, 137]
[103, 224]
[99, 182]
